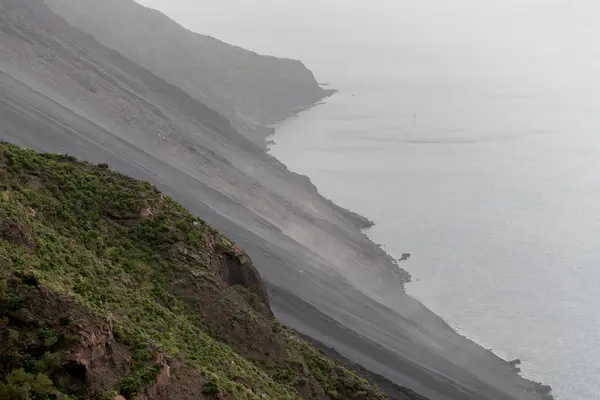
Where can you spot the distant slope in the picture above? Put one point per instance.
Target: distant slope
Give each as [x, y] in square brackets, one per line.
[251, 90]
[108, 286]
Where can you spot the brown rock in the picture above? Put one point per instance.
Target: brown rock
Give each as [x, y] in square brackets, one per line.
[146, 213]
[162, 380]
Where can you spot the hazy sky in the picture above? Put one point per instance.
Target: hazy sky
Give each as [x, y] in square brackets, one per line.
[538, 40]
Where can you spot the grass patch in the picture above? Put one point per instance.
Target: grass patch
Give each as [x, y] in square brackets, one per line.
[125, 253]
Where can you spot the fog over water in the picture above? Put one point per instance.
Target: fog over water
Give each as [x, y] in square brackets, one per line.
[469, 131]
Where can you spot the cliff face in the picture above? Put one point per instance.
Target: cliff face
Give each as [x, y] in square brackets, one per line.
[251, 90]
[108, 287]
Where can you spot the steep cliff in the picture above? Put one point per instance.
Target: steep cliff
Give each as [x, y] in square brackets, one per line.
[108, 287]
[251, 90]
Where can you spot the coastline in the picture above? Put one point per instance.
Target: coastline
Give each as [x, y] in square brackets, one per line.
[419, 355]
[327, 295]
[363, 223]
[360, 222]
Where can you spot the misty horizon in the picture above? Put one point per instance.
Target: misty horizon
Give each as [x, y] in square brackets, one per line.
[536, 42]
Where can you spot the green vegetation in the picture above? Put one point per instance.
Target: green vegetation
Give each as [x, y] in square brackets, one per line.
[108, 287]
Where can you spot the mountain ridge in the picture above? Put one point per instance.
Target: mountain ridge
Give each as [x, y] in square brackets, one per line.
[253, 91]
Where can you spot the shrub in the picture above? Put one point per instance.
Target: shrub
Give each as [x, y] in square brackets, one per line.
[23, 386]
[211, 388]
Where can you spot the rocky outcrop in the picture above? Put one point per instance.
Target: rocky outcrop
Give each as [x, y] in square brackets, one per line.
[158, 388]
[75, 347]
[236, 269]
